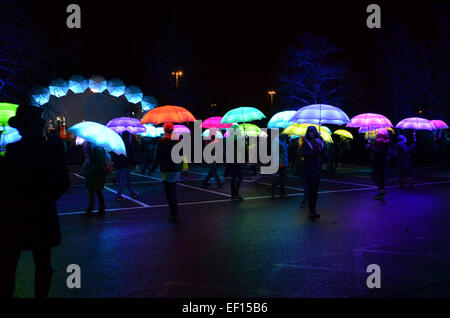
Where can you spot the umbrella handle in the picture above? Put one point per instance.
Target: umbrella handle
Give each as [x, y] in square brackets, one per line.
[414, 134]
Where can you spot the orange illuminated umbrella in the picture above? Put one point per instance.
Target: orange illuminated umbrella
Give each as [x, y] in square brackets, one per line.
[167, 114]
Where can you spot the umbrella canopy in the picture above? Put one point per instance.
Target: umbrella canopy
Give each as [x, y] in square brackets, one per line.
[58, 87]
[121, 124]
[167, 114]
[343, 133]
[415, 123]
[79, 141]
[100, 135]
[181, 129]
[320, 114]
[148, 102]
[215, 122]
[40, 95]
[115, 87]
[249, 130]
[7, 110]
[281, 119]
[8, 135]
[78, 84]
[439, 124]
[300, 130]
[152, 131]
[369, 121]
[134, 94]
[97, 84]
[213, 131]
[242, 115]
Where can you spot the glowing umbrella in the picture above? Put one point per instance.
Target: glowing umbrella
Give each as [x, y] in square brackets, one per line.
[439, 124]
[416, 123]
[181, 129]
[8, 135]
[214, 122]
[242, 115]
[100, 135]
[343, 133]
[121, 124]
[249, 130]
[212, 131]
[152, 131]
[7, 110]
[79, 141]
[369, 121]
[281, 119]
[300, 130]
[320, 114]
[167, 114]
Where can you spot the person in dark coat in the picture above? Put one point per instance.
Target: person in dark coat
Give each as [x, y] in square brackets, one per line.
[95, 178]
[313, 151]
[403, 154]
[147, 153]
[212, 172]
[235, 168]
[35, 177]
[170, 171]
[281, 142]
[380, 153]
[124, 165]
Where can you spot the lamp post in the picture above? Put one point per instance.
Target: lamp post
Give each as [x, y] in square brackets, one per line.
[271, 93]
[177, 75]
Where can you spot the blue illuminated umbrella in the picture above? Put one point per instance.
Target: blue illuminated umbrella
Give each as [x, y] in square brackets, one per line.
[152, 131]
[320, 114]
[8, 135]
[134, 94]
[100, 135]
[281, 119]
[78, 84]
[242, 115]
[212, 132]
[121, 124]
[115, 87]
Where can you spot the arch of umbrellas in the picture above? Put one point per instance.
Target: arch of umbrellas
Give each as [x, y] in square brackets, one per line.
[292, 123]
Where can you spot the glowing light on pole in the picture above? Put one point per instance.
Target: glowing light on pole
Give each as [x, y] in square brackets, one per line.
[271, 93]
[177, 75]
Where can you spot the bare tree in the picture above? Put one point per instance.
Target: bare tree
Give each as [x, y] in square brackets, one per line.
[312, 73]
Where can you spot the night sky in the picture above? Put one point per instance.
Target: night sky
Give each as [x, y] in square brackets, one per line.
[234, 48]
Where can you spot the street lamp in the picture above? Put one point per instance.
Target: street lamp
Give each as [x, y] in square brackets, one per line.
[271, 93]
[177, 75]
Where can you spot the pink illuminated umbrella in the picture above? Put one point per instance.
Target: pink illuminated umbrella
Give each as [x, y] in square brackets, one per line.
[416, 123]
[369, 121]
[214, 122]
[439, 124]
[181, 129]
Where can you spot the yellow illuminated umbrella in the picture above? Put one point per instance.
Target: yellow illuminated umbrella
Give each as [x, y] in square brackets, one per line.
[300, 130]
[343, 133]
[373, 133]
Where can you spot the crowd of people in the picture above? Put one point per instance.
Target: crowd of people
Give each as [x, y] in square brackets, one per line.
[34, 186]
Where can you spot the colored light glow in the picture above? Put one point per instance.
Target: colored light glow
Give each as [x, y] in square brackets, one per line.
[212, 132]
[78, 84]
[242, 115]
[97, 84]
[369, 121]
[214, 122]
[152, 131]
[148, 102]
[416, 123]
[58, 87]
[134, 94]
[8, 135]
[343, 133]
[116, 87]
[121, 124]
[320, 114]
[281, 119]
[7, 110]
[40, 96]
[99, 135]
[439, 124]
[167, 114]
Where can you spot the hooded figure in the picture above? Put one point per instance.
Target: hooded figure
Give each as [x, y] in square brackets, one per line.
[170, 171]
[35, 178]
[403, 153]
[313, 151]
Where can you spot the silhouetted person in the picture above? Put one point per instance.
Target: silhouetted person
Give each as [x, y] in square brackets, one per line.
[313, 150]
[212, 172]
[380, 153]
[281, 142]
[95, 178]
[403, 154]
[35, 177]
[170, 171]
[235, 169]
[124, 165]
[148, 149]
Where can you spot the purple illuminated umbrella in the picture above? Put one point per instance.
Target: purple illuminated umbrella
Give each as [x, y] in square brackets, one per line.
[121, 124]
[320, 114]
[416, 123]
[439, 124]
[369, 121]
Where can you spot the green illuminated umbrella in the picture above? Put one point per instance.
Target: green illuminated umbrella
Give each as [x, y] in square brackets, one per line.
[242, 115]
[343, 133]
[7, 110]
